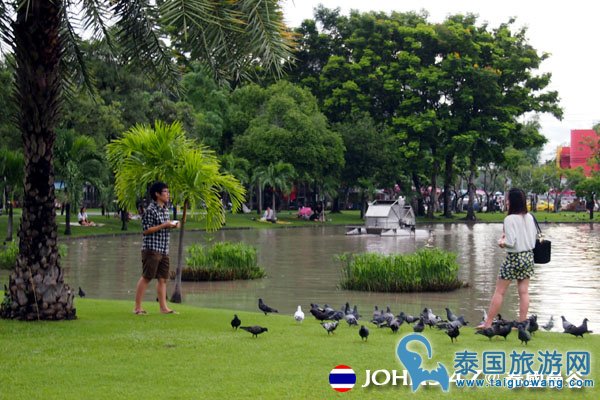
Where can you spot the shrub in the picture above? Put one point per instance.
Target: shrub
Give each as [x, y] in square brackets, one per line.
[425, 270]
[9, 251]
[221, 261]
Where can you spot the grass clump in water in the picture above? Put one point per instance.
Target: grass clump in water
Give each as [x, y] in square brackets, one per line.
[424, 270]
[221, 262]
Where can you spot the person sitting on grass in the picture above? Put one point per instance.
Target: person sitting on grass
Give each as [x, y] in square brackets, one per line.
[83, 218]
[269, 216]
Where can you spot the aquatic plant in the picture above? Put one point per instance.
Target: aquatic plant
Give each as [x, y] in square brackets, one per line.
[221, 261]
[424, 270]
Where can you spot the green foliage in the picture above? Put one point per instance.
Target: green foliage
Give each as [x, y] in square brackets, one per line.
[288, 127]
[425, 270]
[10, 250]
[222, 261]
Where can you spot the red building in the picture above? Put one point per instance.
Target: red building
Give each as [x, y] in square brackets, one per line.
[584, 143]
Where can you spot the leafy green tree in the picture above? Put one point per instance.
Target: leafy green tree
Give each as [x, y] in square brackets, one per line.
[11, 173]
[77, 162]
[288, 127]
[229, 37]
[145, 155]
[278, 176]
[589, 189]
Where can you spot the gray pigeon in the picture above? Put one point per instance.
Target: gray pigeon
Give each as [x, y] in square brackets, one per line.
[451, 316]
[254, 330]
[265, 308]
[363, 332]
[550, 324]
[329, 326]
[351, 320]
[579, 330]
[566, 324]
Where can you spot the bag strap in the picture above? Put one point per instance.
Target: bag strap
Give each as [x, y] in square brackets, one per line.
[537, 226]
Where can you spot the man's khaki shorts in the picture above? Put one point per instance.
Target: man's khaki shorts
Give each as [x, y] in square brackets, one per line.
[155, 265]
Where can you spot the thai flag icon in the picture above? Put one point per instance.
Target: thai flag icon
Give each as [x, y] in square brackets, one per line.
[342, 378]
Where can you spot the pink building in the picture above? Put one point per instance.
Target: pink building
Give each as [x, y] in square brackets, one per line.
[584, 142]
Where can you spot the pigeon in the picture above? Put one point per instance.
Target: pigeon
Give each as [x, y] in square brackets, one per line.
[355, 312]
[503, 329]
[388, 315]
[81, 292]
[533, 325]
[254, 330]
[329, 326]
[419, 326]
[487, 332]
[451, 316]
[550, 324]
[265, 308]
[566, 324]
[376, 312]
[351, 320]
[363, 332]
[524, 335]
[319, 314]
[395, 325]
[408, 318]
[453, 332]
[299, 315]
[579, 330]
[235, 322]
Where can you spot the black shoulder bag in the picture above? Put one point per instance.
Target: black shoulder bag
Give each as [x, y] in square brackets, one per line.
[541, 251]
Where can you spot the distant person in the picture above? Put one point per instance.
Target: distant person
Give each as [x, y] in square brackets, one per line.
[82, 217]
[269, 215]
[518, 238]
[155, 248]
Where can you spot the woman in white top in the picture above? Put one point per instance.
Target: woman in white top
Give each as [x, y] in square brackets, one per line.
[518, 239]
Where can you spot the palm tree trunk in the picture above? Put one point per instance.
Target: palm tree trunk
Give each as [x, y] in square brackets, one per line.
[36, 285]
[176, 296]
[9, 210]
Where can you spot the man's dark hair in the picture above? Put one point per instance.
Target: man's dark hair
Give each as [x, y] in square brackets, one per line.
[157, 187]
[517, 203]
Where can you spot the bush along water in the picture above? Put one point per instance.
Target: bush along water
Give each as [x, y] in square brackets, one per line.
[424, 270]
[220, 262]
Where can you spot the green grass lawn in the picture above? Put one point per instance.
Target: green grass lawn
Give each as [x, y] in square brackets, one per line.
[109, 353]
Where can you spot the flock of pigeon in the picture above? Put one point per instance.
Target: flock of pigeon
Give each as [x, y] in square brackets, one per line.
[330, 319]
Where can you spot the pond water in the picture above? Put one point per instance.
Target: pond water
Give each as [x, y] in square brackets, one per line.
[301, 269]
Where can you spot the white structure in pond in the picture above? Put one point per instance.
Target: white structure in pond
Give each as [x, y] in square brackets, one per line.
[388, 218]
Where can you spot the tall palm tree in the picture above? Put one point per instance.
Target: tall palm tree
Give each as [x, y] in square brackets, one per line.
[144, 155]
[235, 166]
[77, 162]
[278, 176]
[230, 37]
[11, 173]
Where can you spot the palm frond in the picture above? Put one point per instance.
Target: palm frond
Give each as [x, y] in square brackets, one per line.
[136, 32]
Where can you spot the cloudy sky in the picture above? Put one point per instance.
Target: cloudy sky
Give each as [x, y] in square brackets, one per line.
[566, 30]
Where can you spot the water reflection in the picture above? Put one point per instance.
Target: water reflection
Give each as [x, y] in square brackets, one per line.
[301, 269]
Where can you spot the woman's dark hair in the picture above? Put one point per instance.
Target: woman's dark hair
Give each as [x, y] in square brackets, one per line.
[517, 203]
[81, 209]
[157, 187]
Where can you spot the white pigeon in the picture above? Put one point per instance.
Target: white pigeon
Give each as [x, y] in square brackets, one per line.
[299, 315]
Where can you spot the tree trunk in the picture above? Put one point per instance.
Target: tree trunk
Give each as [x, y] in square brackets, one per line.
[68, 219]
[124, 218]
[260, 202]
[335, 205]
[448, 173]
[273, 200]
[420, 209]
[433, 194]
[176, 296]
[36, 285]
[471, 189]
